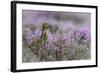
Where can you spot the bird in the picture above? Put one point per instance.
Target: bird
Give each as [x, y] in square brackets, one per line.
[44, 35]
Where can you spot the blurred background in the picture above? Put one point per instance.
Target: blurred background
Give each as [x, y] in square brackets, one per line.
[61, 20]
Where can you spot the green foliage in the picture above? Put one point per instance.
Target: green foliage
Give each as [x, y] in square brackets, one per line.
[80, 53]
[53, 28]
[32, 28]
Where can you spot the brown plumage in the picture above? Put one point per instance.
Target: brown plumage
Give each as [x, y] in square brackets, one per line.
[44, 34]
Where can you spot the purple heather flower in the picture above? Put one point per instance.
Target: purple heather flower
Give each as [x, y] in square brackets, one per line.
[37, 33]
[29, 36]
[85, 32]
[50, 36]
[77, 35]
